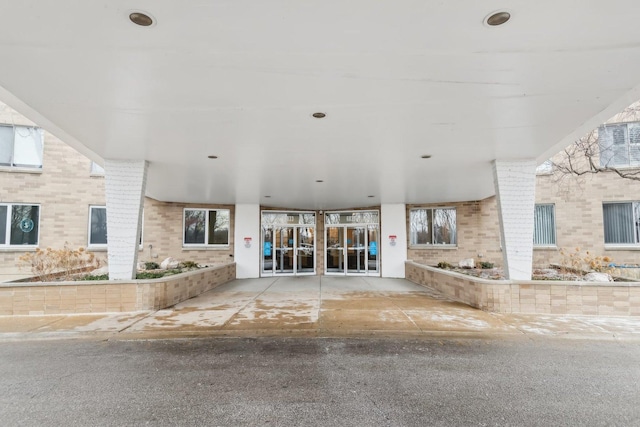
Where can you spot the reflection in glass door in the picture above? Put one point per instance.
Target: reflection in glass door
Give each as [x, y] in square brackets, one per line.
[373, 264]
[305, 253]
[284, 250]
[268, 261]
[335, 249]
[356, 245]
[288, 243]
[352, 243]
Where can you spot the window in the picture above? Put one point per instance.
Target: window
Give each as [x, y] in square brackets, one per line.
[619, 145]
[98, 227]
[433, 226]
[21, 146]
[206, 227]
[544, 226]
[19, 225]
[621, 223]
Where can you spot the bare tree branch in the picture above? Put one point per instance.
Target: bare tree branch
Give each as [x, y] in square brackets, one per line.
[587, 156]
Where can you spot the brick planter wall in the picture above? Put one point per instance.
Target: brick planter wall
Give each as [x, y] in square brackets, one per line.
[531, 296]
[110, 296]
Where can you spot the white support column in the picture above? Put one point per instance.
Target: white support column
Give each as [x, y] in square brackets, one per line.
[247, 225]
[515, 183]
[125, 182]
[393, 219]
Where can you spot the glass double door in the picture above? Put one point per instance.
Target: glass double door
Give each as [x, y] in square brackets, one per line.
[352, 250]
[288, 250]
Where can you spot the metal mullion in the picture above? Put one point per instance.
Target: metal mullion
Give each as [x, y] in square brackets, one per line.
[366, 250]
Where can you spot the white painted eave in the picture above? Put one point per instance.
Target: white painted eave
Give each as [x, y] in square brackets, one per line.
[397, 79]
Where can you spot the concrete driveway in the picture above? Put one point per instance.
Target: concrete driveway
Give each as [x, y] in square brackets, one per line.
[320, 305]
[316, 306]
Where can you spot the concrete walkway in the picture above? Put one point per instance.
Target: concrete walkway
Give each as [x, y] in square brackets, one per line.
[315, 306]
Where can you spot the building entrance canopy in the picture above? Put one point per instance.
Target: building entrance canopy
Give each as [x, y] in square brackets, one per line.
[222, 100]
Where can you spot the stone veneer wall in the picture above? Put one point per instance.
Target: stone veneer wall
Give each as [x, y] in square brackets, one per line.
[542, 297]
[110, 296]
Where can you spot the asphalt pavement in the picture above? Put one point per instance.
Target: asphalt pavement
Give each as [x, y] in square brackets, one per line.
[285, 381]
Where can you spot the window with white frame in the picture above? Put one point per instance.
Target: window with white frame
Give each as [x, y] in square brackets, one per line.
[621, 223]
[619, 145]
[21, 146]
[544, 225]
[209, 227]
[19, 225]
[98, 227]
[435, 226]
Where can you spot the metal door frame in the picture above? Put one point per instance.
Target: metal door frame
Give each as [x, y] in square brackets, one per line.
[345, 248]
[294, 247]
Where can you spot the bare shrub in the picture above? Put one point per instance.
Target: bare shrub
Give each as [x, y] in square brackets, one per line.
[49, 264]
[576, 261]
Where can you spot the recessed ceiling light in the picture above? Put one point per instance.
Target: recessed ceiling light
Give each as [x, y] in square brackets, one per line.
[497, 18]
[319, 115]
[140, 18]
[426, 156]
[212, 157]
[319, 180]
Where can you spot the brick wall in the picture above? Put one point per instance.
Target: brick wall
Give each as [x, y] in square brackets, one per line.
[579, 223]
[578, 202]
[478, 235]
[63, 188]
[543, 297]
[578, 208]
[163, 230]
[106, 296]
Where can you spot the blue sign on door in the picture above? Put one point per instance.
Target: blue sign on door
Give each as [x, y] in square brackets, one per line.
[267, 248]
[373, 248]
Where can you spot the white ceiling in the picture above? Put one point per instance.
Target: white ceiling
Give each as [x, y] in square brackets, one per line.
[397, 79]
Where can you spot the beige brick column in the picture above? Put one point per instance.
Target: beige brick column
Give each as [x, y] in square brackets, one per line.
[125, 182]
[515, 183]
